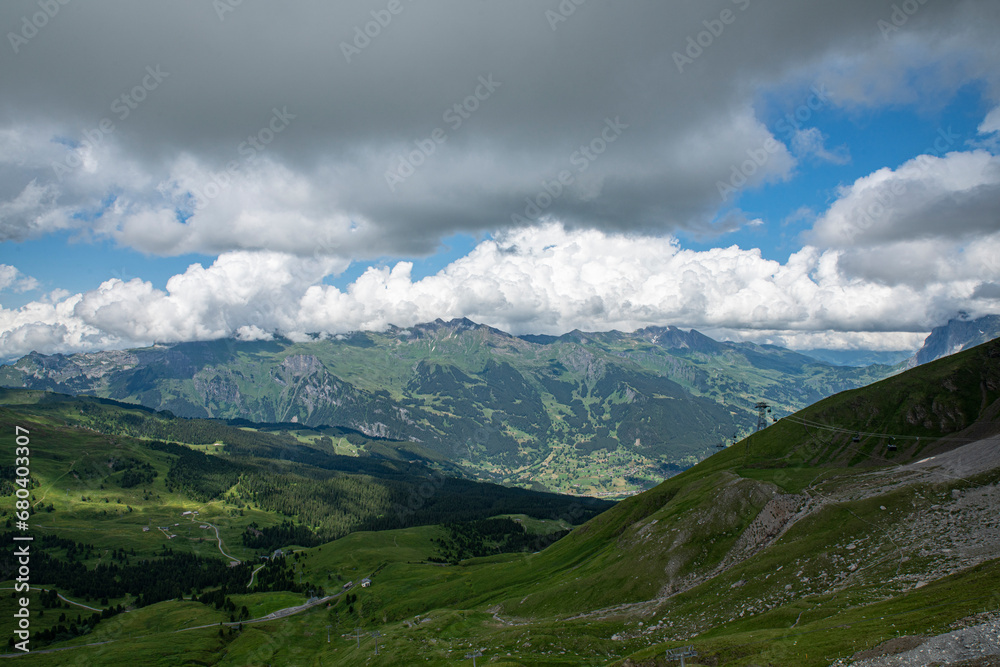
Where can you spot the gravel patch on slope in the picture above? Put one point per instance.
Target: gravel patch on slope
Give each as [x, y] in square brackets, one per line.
[979, 644]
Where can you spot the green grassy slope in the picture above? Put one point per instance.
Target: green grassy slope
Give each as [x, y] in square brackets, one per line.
[269, 488]
[649, 546]
[797, 546]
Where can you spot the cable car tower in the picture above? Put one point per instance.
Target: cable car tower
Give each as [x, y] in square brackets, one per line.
[681, 653]
[762, 410]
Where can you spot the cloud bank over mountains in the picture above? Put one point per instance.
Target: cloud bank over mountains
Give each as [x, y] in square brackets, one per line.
[538, 280]
[571, 137]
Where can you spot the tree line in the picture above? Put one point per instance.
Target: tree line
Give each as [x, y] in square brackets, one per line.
[487, 537]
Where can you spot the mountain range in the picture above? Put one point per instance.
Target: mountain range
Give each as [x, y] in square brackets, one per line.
[592, 413]
[558, 413]
[861, 530]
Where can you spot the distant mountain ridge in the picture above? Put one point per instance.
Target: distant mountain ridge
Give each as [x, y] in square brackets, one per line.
[859, 357]
[605, 412]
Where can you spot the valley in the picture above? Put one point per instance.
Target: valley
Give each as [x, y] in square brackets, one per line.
[604, 414]
[806, 543]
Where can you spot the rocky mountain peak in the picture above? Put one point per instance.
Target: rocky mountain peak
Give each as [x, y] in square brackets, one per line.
[957, 335]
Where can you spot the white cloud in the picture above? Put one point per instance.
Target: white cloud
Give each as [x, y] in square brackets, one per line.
[826, 340]
[250, 332]
[188, 204]
[543, 279]
[991, 123]
[32, 213]
[12, 279]
[811, 142]
[952, 196]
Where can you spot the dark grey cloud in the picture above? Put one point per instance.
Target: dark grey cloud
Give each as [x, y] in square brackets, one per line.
[353, 116]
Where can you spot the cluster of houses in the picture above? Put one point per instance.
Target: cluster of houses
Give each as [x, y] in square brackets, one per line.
[165, 529]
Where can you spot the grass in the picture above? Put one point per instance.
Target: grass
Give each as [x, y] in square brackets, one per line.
[539, 526]
[262, 604]
[841, 629]
[807, 599]
[458, 603]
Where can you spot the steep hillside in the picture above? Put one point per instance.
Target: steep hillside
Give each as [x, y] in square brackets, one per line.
[695, 526]
[785, 535]
[304, 486]
[603, 413]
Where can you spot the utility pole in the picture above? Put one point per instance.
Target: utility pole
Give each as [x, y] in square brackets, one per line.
[474, 655]
[328, 634]
[376, 634]
[358, 631]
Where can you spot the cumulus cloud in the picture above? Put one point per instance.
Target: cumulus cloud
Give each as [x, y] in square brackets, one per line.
[543, 279]
[952, 196]
[12, 279]
[825, 340]
[31, 213]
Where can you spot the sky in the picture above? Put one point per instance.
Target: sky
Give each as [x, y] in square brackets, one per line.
[804, 173]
